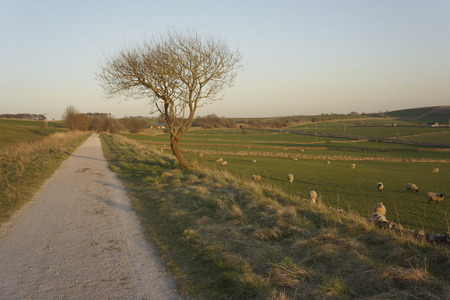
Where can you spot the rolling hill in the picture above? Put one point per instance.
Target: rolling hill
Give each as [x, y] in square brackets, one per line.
[440, 114]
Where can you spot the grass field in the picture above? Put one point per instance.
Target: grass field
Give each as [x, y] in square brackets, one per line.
[225, 237]
[338, 185]
[29, 154]
[13, 131]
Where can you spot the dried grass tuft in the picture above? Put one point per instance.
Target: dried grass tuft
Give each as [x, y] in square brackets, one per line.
[288, 274]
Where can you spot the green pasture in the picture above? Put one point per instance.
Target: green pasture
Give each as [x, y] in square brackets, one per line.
[373, 131]
[13, 131]
[410, 113]
[423, 114]
[440, 137]
[338, 185]
[291, 144]
[30, 123]
[353, 189]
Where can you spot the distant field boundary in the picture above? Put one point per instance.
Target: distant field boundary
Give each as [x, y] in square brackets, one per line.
[353, 137]
[315, 157]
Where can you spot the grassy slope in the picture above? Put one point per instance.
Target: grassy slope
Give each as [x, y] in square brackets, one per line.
[440, 114]
[226, 238]
[24, 166]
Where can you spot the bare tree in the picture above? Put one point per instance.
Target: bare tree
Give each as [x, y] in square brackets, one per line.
[70, 117]
[178, 72]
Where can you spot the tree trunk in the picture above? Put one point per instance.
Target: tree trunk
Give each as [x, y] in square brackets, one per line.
[174, 141]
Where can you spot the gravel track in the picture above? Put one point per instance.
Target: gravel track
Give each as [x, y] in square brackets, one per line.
[79, 239]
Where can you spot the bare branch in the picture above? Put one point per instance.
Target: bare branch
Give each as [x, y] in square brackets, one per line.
[178, 73]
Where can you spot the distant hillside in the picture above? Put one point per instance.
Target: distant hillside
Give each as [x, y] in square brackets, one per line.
[440, 114]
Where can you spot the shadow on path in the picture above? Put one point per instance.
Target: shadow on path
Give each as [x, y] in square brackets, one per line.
[86, 157]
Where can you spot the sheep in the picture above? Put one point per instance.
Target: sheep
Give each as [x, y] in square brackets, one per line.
[435, 170]
[327, 162]
[290, 177]
[219, 160]
[411, 187]
[352, 166]
[438, 197]
[378, 217]
[254, 160]
[294, 158]
[312, 196]
[224, 163]
[200, 154]
[379, 208]
[380, 186]
[256, 177]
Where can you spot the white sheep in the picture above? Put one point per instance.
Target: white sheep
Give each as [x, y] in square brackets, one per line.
[327, 162]
[438, 197]
[224, 163]
[435, 170]
[254, 160]
[380, 186]
[378, 217]
[294, 158]
[256, 177]
[219, 160]
[200, 154]
[352, 166]
[290, 177]
[411, 187]
[312, 196]
[379, 208]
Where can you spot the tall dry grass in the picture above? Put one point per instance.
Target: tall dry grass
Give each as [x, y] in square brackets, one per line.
[24, 166]
[54, 140]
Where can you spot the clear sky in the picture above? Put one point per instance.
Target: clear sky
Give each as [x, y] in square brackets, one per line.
[300, 57]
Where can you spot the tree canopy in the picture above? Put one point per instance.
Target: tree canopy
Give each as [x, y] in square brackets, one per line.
[178, 72]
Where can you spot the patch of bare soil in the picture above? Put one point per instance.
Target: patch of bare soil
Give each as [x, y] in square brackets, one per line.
[79, 239]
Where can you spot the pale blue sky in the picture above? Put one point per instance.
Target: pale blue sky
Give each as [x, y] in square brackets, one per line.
[300, 57]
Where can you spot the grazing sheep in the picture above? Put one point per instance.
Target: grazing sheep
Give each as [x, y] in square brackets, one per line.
[254, 160]
[352, 166]
[312, 196]
[327, 162]
[435, 170]
[200, 154]
[380, 186]
[379, 208]
[219, 160]
[438, 197]
[378, 217]
[256, 177]
[295, 159]
[290, 177]
[224, 163]
[411, 187]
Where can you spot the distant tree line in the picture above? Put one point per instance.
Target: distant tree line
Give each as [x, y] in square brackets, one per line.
[321, 119]
[274, 123]
[213, 121]
[23, 116]
[74, 120]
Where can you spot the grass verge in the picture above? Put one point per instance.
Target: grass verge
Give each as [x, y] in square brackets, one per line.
[25, 166]
[223, 238]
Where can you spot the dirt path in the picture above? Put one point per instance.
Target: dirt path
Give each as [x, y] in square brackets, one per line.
[79, 239]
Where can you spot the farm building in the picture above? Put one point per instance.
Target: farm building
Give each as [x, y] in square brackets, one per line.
[159, 126]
